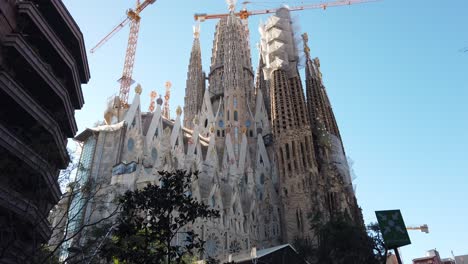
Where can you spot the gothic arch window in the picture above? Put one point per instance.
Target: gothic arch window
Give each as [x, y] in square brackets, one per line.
[287, 151]
[298, 222]
[303, 156]
[235, 101]
[293, 149]
[154, 154]
[206, 123]
[282, 156]
[213, 201]
[236, 117]
[262, 178]
[130, 144]
[228, 114]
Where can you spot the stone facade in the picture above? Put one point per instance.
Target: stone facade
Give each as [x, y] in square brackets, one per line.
[261, 164]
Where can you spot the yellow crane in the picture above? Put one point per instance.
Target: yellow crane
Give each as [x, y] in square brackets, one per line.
[133, 17]
[244, 13]
[424, 228]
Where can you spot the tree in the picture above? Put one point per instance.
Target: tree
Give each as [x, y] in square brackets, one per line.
[151, 218]
[81, 196]
[341, 241]
[378, 244]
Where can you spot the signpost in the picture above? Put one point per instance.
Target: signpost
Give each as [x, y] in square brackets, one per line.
[393, 230]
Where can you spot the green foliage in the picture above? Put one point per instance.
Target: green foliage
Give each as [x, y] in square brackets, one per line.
[341, 241]
[43, 255]
[152, 217]
[378, 245]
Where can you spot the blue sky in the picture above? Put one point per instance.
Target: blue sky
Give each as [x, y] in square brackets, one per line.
[394, 73]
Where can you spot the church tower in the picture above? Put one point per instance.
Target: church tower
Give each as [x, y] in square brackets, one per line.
[290, 125]
[231, 78]
[336, 194]
[195, 82]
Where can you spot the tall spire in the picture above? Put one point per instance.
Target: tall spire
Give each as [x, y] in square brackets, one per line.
[319, 107]
[261, 84]
[290, 123]
[195, 85]
[231, 80]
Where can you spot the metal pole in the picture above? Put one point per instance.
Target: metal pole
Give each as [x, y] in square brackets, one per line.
[397, 255]
[386, 255]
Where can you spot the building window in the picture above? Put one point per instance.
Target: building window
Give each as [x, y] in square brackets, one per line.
[130, 144]
[213, 201]
[236, 118]
[154, 154]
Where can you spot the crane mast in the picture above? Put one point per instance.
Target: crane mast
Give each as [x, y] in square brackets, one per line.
[133, 17]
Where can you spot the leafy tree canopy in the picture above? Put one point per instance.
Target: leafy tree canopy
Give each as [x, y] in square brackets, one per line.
[341, 241]
[152, 217]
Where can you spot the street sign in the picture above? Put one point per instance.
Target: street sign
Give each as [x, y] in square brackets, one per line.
[393, 228]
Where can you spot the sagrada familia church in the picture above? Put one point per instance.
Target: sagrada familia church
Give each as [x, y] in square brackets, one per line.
[269, 155]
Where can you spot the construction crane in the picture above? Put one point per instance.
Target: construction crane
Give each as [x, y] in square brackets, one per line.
[245, 14]
[166, 111]
[133, 17]
[423, 228]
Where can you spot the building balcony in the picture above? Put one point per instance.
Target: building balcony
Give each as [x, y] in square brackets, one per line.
[58, 17]
[26, 171]
[27, 211]
[50, 48]
[39, 82]
[39, 129]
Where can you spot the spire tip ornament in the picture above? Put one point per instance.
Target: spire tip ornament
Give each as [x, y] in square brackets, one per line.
[231, 5]
[138, 89]
[196, 31]
[179, 110]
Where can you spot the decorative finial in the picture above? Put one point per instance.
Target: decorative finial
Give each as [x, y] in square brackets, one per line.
[179, 110]
[138, 89]
[212, 128]
[166, 110]
[153, 95]
[244, 130]
[160, 100]
[305, 40]
[231, 5]
[196, 30]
